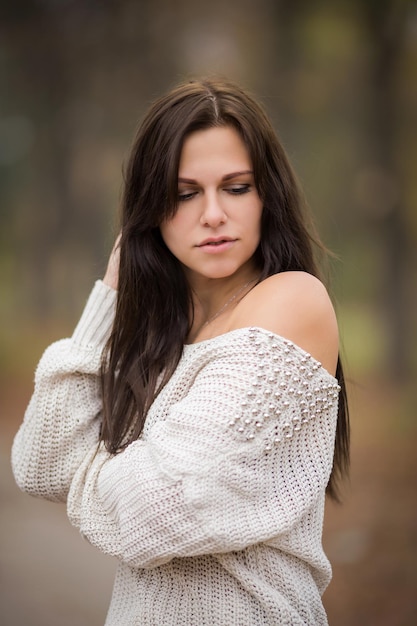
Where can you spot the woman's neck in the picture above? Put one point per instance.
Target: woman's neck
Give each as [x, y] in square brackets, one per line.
[214, 301]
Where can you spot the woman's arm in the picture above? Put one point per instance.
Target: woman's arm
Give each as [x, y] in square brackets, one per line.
[62, 420]
[241, 459]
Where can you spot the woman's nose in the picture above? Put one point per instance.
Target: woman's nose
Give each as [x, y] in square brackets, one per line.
[213, 213]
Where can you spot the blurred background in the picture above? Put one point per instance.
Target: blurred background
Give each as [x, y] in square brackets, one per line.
[339, 80]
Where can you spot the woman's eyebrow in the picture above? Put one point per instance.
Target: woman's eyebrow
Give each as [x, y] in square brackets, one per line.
[236, 174]
[191, 181]
[187, 181]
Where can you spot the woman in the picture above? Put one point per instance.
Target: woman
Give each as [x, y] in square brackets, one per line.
[193, 422]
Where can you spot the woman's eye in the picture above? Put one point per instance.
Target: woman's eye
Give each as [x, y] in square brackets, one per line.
[237, 190]
[185, 195]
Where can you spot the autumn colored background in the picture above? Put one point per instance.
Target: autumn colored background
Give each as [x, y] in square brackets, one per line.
[339, 79]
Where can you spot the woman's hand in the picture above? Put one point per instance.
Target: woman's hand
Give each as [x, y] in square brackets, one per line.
[111, 277]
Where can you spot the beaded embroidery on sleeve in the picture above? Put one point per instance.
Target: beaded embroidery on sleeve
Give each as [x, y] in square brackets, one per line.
[223, 491]
[292, 394]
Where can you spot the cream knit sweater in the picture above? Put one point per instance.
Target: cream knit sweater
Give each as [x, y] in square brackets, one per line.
[216, 512]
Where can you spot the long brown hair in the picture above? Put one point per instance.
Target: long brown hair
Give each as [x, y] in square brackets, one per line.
[152, 314]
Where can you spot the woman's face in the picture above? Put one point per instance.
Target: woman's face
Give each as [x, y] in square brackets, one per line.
[216, 228]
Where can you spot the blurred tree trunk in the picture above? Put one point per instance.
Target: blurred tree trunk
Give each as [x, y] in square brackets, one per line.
[42, 77]
[385, 22]
[283, 61]
[67, 61]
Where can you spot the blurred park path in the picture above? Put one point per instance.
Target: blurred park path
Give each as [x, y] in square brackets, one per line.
[52, 577]
[371, 539]
[49, 575]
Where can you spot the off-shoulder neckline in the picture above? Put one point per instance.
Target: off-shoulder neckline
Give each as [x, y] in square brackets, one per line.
[189, 347]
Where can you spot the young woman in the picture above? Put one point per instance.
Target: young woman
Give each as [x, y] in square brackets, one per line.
[196, 418]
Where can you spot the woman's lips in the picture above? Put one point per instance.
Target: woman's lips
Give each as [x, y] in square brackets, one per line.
[216, 246]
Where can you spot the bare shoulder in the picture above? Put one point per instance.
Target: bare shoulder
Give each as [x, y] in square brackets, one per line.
[294, 305]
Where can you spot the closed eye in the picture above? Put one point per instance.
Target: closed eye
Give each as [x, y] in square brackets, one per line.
[237, 190]
[186, 195]
[234, 190]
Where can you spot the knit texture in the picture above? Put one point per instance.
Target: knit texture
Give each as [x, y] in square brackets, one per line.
[216, 512]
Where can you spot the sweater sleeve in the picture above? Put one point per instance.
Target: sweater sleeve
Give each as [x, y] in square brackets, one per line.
[61, 423]
[238, 460]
